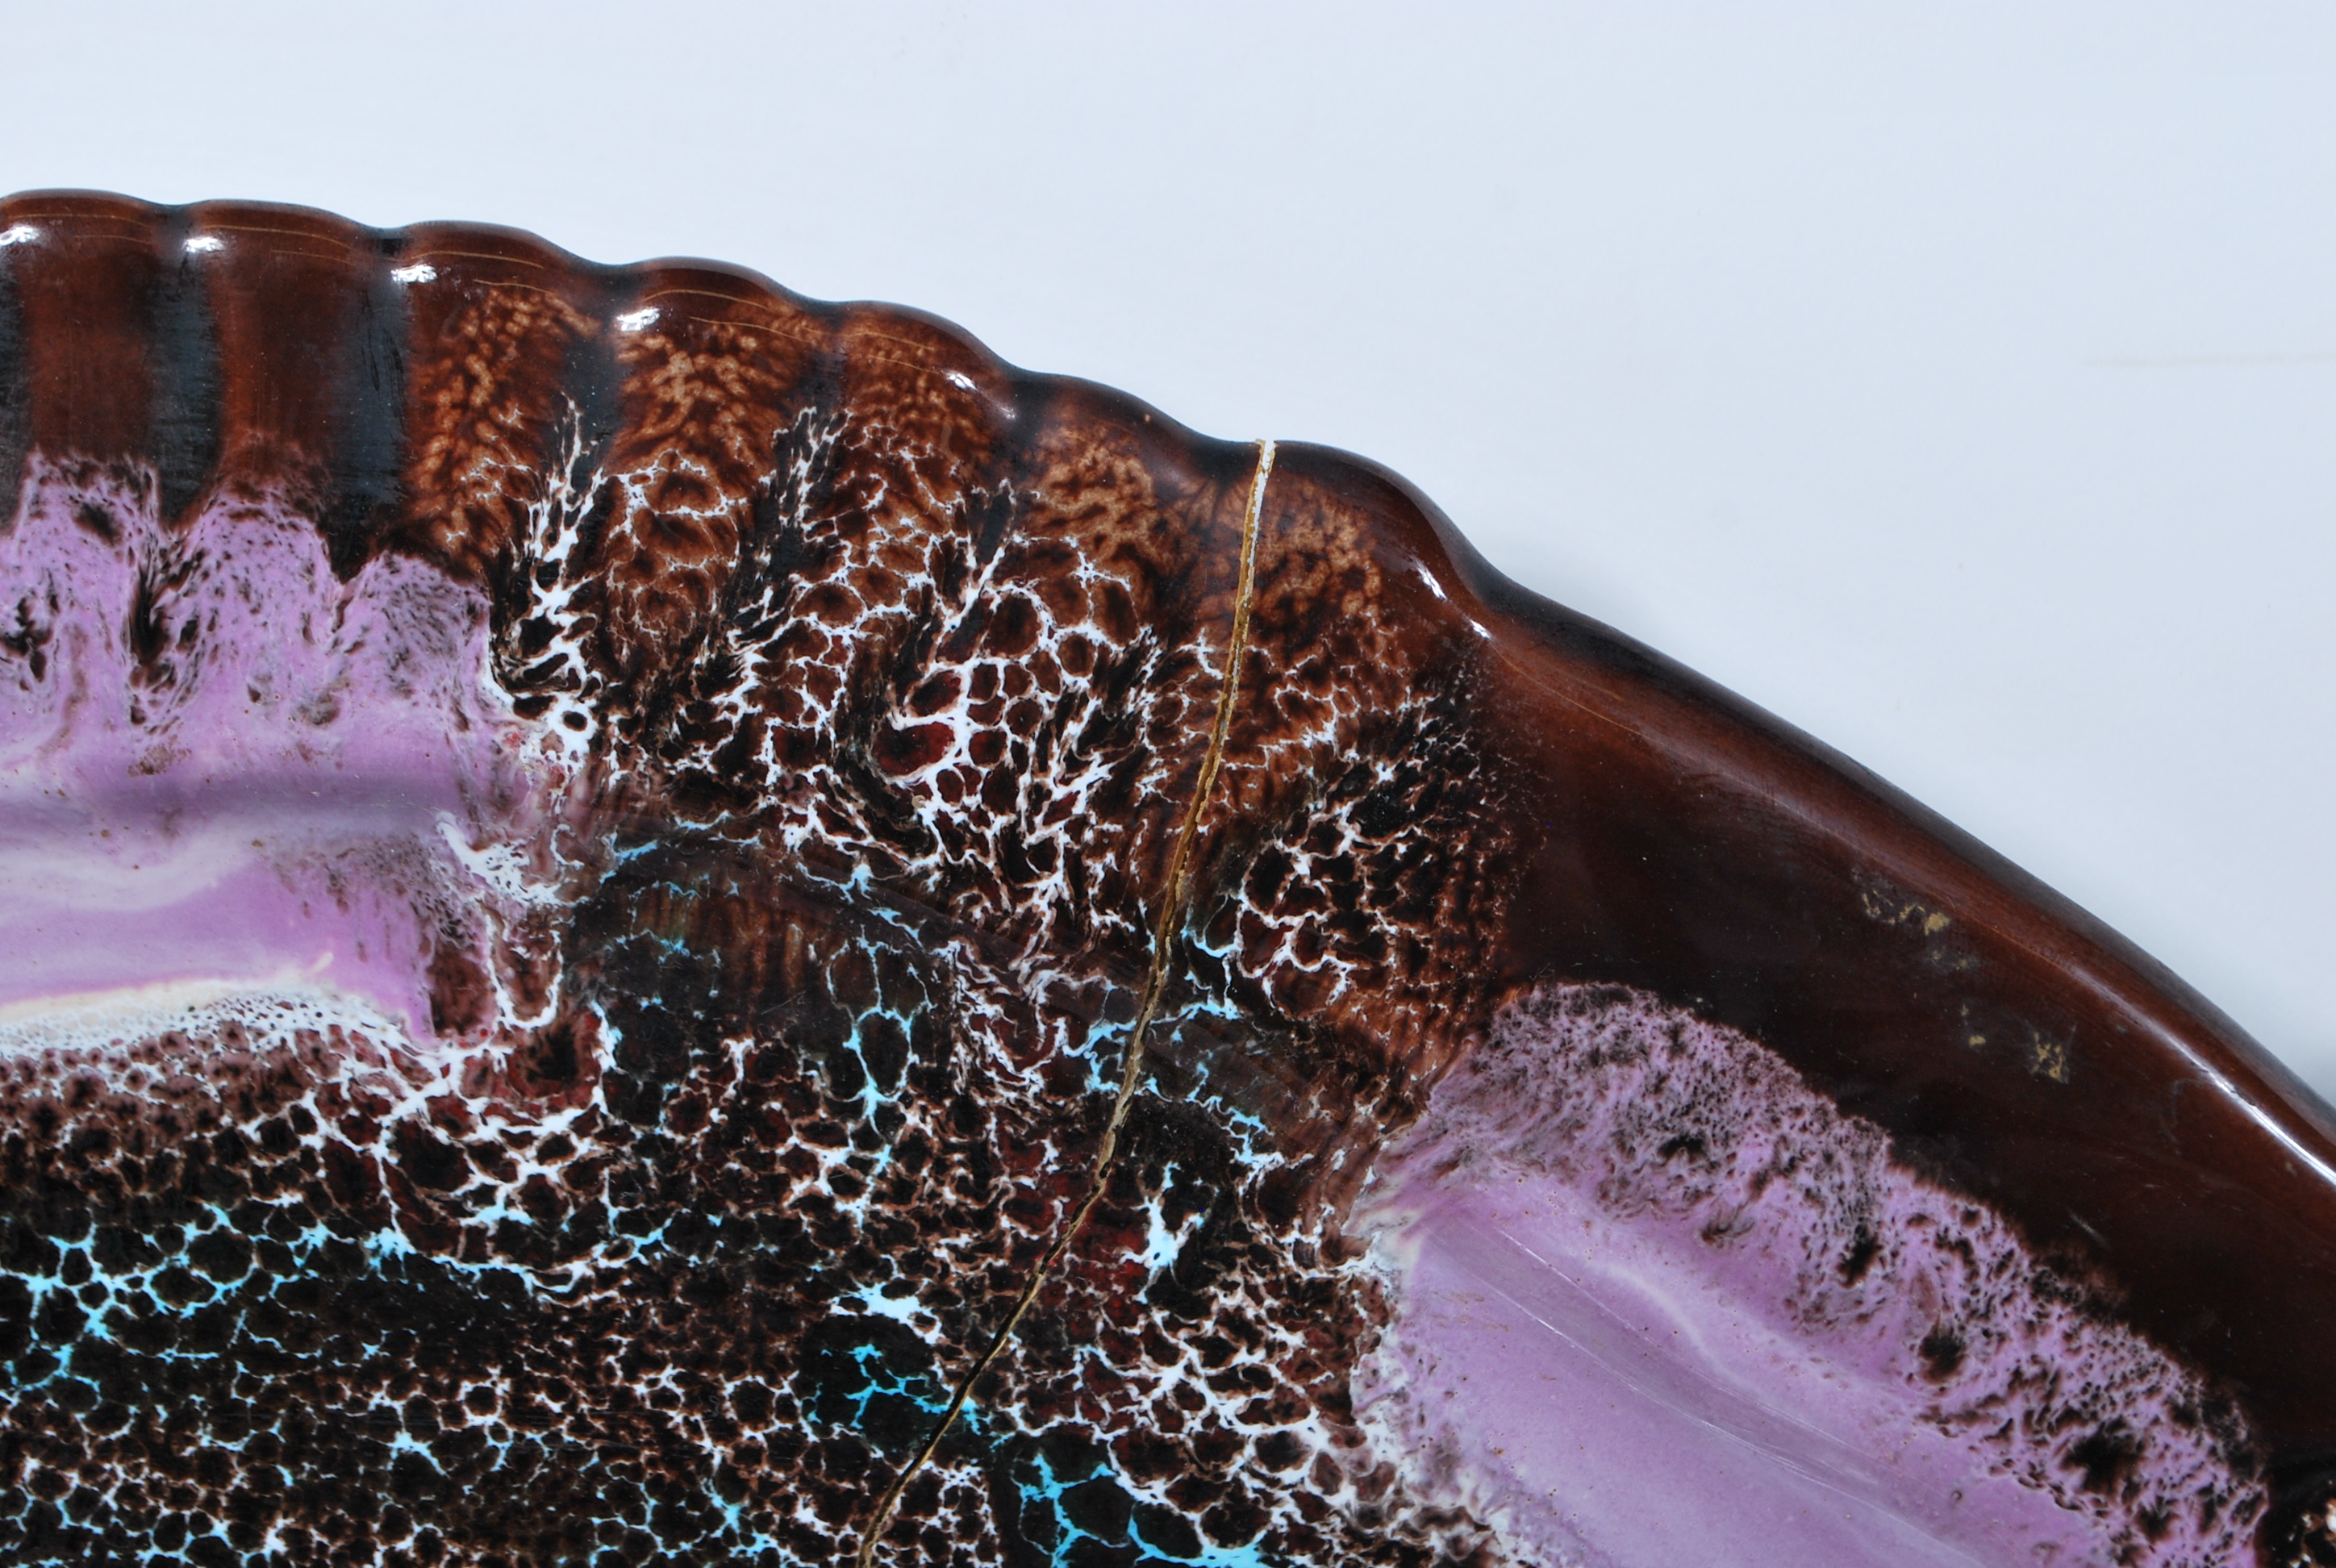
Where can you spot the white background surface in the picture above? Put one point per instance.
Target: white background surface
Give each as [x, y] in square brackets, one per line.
[1958, 382]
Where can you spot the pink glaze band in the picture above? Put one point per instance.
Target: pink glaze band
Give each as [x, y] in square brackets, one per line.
[1657, 1302]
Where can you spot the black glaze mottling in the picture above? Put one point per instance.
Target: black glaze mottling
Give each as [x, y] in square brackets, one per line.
[184, 443]
[16, 398]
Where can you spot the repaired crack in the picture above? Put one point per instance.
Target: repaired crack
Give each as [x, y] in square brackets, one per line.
[1172, 907]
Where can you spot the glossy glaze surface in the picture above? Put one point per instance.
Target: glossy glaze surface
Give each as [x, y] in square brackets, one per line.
[651, 917]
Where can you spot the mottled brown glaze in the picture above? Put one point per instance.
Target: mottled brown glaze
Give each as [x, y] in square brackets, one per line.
[826, 704]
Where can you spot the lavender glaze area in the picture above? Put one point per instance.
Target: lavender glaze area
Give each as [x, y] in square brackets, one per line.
[1655, 1301]
[256, 787]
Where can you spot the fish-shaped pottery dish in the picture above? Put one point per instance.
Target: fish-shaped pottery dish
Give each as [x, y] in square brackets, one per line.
[648, 922]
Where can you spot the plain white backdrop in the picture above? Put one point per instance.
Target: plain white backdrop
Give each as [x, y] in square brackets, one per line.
[1956, 381]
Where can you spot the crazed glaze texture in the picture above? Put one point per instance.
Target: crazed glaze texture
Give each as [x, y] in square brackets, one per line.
[651, 921]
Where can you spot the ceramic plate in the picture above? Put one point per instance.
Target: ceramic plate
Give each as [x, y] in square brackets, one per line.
[649, 921]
